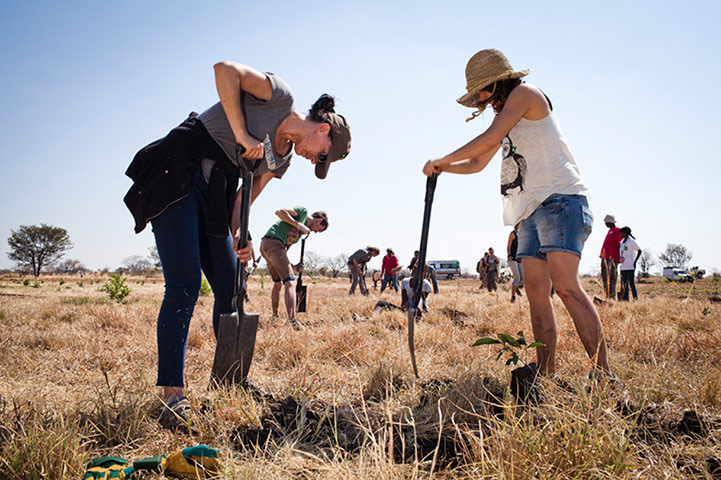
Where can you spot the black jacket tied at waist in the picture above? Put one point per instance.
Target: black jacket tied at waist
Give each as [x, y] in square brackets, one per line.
[163, 173]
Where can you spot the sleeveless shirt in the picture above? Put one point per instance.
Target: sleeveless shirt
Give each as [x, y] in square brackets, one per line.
[536, 164]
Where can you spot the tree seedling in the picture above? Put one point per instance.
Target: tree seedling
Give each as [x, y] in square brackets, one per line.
[511, 346]
[523, 379]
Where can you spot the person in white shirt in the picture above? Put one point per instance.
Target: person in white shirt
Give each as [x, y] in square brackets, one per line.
[542, 192]
[629, 252]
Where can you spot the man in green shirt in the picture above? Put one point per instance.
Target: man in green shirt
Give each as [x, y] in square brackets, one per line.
[293, 224]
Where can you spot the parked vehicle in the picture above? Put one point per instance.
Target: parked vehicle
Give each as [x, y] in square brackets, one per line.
[677, 274]
[446, 269]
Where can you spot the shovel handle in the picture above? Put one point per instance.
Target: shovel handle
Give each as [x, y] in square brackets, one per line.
[420, 269]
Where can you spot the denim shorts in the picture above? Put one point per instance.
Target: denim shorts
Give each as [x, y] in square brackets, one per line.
[562, 223]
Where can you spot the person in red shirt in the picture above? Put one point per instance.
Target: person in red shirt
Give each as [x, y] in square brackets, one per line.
[390, 270]
[610, 256]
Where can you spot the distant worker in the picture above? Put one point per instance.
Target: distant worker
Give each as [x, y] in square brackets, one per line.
[492, 266]
[412, 265]
[431, 275]
[376, 276]
[407, 287]
[610, 256]
[293, 224]
[629, 253]
[481, 269]
[390, 270]
[357, 268]
[514, 264]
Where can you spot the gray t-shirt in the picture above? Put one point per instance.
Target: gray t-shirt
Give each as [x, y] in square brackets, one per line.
[261, 118]
[361, 256]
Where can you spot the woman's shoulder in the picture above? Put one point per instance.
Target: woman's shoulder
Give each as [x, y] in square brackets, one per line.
[536, 102]
[281, 90]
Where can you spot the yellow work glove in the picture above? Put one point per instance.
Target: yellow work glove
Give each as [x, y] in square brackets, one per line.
[193, 463]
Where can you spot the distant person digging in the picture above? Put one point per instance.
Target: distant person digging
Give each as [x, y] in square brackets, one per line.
[407, 286]
[293, 224]
[357, 268]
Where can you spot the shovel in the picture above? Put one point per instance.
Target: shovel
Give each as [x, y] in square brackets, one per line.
[415, 298]
[237, 330]
[300, 289]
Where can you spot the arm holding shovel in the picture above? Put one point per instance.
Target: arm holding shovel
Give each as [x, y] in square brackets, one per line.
[248, 253]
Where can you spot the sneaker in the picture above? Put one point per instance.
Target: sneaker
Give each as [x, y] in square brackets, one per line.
[296, 324]
[513, 299]
[175, 414]
[519, 292]
[598, 376]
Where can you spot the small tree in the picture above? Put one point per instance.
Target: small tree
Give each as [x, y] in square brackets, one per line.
[155, 257]
[38, 246]
[70, 266]
[136, 265]
[646, 261]
[675, 255]
[337, 264]
[116, 288]
[312, 261]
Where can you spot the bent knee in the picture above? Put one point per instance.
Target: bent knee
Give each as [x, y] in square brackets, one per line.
[570, 292]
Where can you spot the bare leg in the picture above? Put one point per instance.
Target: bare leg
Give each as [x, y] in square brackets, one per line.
[563, 267]
[275, 297]
[543, 321]
[290, 305]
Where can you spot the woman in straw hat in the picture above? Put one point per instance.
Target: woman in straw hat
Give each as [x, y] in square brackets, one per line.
[541, 188]
[186, 185]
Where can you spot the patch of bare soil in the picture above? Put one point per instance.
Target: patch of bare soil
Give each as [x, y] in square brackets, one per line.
[418, 434]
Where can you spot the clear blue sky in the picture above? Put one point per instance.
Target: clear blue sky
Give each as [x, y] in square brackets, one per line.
[634, 84]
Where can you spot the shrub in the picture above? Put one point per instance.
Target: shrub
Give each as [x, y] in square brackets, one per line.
[26, 282]
[116, 288]
[204, 288]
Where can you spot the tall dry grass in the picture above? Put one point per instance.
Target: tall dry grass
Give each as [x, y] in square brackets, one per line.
[77, 375]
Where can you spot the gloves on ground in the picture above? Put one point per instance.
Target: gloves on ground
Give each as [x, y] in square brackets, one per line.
[194, 463]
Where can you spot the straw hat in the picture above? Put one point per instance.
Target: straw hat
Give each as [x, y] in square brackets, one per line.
[484, 68]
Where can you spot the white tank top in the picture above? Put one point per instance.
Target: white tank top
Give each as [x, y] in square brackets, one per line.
[536, 164]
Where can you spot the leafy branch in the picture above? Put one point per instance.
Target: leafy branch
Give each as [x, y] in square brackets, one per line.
[510, 346]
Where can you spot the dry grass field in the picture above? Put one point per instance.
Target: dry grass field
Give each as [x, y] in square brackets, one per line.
[77, 374]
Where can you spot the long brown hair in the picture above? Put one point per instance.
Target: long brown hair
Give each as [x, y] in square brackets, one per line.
[499, 90]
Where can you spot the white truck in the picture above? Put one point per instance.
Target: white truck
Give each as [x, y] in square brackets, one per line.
[448, 269]
[676, 274]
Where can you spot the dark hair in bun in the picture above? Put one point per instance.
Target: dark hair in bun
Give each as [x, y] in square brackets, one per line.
[321, 107]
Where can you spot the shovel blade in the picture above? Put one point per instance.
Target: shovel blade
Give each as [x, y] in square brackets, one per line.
[234, 349]
[301, 293]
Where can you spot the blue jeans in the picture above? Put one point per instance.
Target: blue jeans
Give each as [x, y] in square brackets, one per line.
[389, 279]
[562, 223]
[185, 249]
